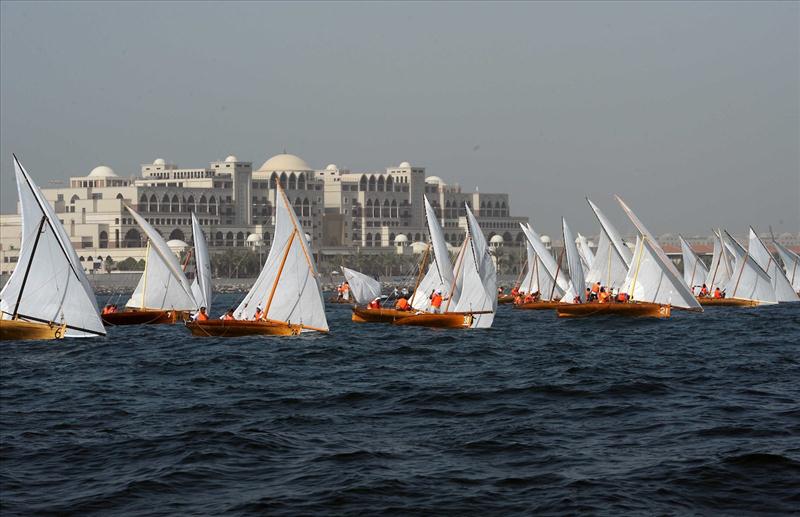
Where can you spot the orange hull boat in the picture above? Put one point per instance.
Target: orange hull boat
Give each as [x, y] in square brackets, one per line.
[18, 330]
[634, 310]
[727, 302]
[143, 317]
[448, 320]
[236, 328]
[366, 315]
[539, 306]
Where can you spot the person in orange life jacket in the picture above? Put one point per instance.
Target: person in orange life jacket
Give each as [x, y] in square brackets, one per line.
[202, 315]
[113, 308]
[603, 296]
[704, 291]
[258, 315]
[402, 304]
[518, 299]
[718, 293]
[622, 297]
[436, 301]
[228, 316]
[515, 291]
[106, 309]
[375, 304]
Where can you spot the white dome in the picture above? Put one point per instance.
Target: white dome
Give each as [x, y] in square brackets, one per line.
[545, 239]
[434, 180]
[332, 167]
[177, 245]
[103, 171]
[496, 239]
[285, 162]
[159, 161]
[405, 165]
[231, 159]
[254, 237]
[418, 247]
[400, 239]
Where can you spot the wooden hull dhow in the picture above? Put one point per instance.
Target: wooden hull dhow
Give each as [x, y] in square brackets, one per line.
[19, 330]
[143, 317]
[726, 302]
[238, 328]
[366, 315]
[631, 310]
[539, 306]
[448, 320]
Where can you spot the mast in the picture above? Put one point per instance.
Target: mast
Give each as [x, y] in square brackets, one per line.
[638, 264]
[278, 276]
[421, 268]
[558, 268]
[28, 268]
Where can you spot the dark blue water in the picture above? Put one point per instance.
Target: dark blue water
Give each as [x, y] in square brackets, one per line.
[697, 414]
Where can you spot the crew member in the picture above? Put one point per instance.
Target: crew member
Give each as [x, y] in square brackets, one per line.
[704, 291]
[402, 304]
[436, 300]
[228, 316]
[603, 296]
[375, 304]
[717, 293]
[595, 294]
[258, 315]
[202, 315]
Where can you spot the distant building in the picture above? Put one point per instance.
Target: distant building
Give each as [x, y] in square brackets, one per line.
[340, 210]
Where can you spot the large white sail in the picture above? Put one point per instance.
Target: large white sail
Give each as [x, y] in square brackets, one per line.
[721, 265]
[783, 288]
[608, 268]
[587, 257]
[791, 264]
[163, 284]
[748, 281]
[288, 287]
[694, 271]
[48, 283]
[363, 288]
[440, 272]
[612, 234]
[658, 267]
[477, 277]
[201, 287]
[577, 287]
[547, 267]
[527, 281]
[650, 280]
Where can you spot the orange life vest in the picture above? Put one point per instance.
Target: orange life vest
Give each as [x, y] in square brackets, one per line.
[717, 293]
[436, 300]
[228, 317]
[257, 315]
[603, 297]
[202, 317]
[402, 304]
[596, 288]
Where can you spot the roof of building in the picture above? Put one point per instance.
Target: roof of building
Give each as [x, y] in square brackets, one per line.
[405, 165]
[285, 162]
[103, 171]
[434, 180]
[231, 159]
[159, 161]
[177, 244]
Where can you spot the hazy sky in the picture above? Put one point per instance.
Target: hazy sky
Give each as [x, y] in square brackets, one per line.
[690, 111]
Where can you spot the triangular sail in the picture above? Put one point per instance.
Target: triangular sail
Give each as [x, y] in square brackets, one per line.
[163, 284]
[56, 288]
[477, 277]
[288, 288]
[721, 267]
[649, 280]
[201, 287]
[547, 267]
[363, 288]
[577, 287]
[748, 281]
[783, 288]
[587, 257]
[612, 234]
[440, 272]
[670, 287]
[530, 265]
[791, 264]
[694, 271]
[608, 268]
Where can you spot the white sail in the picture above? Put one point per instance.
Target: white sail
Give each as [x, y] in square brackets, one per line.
[440, 272]
[201, 287]
[420, 299]
[587, 257]
[577, 286]
[530, 264]
[791, 264]
[163, 284]
[650, 280]
[783, 288]
[694, 271]
[612, 234]
[48, 283]
[608, 268]
[748, 281]
[288, 287]
[547, 267]
[363, 288]
[721, 269]
[477, 277]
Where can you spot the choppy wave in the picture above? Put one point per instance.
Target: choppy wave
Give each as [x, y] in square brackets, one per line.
[697, 414]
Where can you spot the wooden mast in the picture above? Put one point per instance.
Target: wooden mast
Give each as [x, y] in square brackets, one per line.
[28, 268]
[558, 269]
[278, 276]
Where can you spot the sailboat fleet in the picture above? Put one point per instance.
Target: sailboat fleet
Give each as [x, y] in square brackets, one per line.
[49, 297]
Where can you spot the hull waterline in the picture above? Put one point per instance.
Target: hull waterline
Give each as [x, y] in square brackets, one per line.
[631, 310]
[237, 328]
[539, 306]
[366, 315]
[18, 330]
[143, 317]
[726, 302]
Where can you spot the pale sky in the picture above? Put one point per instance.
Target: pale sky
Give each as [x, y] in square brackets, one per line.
[689, 111]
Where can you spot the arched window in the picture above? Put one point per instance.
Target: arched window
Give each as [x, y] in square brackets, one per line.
[133, 239]
[298, 207]
[292, 182]
[143, 203]
[212, 205]
[385, 211]
[368, 239]
[371, 186]
[175, 206]
[391, 238]
[369, 208]
[394, 210]
[283, 180]
[103, 238]
[381, 184]
[417, 237]
[240, 239]
[219, 239]
[266, 238]
[73, 199]
[301, 181]
[389, 184]
[165, 203]
[362, 184]
[120, 196]
[229, 239]
[273, 181]
[190, 204]
[306, 207]
[202, 205]
[153, 203]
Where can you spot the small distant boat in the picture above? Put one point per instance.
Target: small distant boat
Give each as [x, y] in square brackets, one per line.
[695, 271]
[652, 281]
[784, 292]
[748, 281]
[48, 295]
[791, 264]
[364, 289]
[545, 277]
[470, 288]
[288, 288]
[163, 294]
[721, 268]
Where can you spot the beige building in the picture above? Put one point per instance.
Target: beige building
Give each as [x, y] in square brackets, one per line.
[338, 209]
